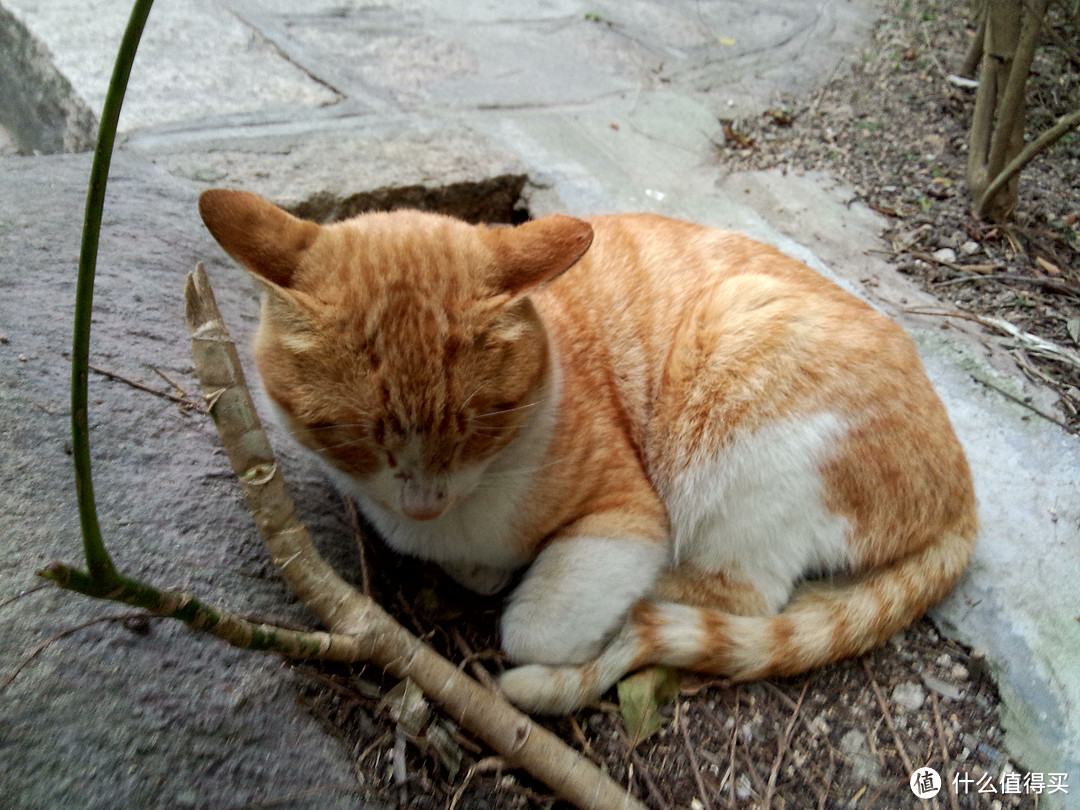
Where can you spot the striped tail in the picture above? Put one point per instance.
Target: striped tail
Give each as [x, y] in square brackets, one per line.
[825, 621]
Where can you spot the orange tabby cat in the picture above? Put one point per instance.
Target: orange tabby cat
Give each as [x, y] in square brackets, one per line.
[675, 428]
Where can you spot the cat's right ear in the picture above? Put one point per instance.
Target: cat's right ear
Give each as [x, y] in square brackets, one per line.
[535, 252]
[267, 240]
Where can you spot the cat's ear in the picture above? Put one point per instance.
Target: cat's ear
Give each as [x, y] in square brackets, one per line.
[536, 252]
[258, 234]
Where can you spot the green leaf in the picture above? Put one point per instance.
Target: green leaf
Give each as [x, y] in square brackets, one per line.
[640, 697]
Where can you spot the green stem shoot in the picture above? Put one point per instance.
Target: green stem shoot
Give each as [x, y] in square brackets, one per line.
[98, 561]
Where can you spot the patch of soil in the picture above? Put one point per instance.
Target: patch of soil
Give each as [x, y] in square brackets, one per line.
[895, 127]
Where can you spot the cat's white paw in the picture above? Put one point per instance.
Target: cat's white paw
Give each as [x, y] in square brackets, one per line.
[539, 689]
[529, 635]
[575, 596]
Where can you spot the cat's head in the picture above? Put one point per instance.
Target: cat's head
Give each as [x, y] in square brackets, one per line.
[401, 347]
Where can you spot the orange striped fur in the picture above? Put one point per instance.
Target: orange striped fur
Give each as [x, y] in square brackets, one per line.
[702, 453]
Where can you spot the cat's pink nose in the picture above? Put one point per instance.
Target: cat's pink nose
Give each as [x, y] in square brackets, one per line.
[422, 513]
[422, 501]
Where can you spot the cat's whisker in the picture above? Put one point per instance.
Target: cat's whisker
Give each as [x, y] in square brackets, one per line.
[339, 445]
[498, 476]
[336, 426]
[469, 398]
[491, 433]
[504, 410]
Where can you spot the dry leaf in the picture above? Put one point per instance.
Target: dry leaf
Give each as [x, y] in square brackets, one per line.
[1073, 327]
[640, 698]
[408, 707]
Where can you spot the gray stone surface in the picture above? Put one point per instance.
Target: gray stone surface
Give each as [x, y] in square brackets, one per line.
[111, 716]
[41, 113]
[604, 106]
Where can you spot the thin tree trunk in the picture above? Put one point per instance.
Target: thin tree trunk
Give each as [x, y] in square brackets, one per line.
[970, 66]
[1062, 126]
[1012, 31]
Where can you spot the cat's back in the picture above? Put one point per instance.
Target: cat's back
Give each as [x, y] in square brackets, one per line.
[695, 334]
[650, 273]
[666, 303]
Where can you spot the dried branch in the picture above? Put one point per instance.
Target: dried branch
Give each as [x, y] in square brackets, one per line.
[377, 637]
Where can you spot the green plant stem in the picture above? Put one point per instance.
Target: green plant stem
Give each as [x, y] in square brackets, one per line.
[226, 625]
[98, 562]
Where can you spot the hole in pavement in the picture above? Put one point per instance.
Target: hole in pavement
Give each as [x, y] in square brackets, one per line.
[495, 200]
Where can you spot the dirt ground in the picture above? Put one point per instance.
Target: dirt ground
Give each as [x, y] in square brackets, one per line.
[850, 735]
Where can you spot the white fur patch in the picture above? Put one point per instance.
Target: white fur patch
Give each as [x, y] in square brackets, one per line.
[681, 636]
[575, 595]
[756, 507]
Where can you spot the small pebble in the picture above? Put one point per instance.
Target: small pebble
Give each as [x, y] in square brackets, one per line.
[943, 688]
[909, 695]
[945, 255]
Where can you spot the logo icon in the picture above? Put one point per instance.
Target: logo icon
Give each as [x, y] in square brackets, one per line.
[925, 783]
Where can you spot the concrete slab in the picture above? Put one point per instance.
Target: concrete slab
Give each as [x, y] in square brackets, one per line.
[605, 106]
[189, 66]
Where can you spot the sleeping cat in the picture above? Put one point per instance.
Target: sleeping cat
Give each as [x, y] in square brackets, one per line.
[707, 455]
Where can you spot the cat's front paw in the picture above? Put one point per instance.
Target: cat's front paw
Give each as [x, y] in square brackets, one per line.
[539, 689]
[531, 636]
[481, 579]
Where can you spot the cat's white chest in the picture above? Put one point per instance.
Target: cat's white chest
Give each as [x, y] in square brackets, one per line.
[482, 529]
[477, 531]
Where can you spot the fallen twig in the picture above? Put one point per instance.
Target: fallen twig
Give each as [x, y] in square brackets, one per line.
[182, 400]
[654, 791]
[361, 544]
[21, 594]
[703, 794]
[40, 648]
[1021, 401]
[781, 748]
[170, 381]
[947, 762]
[897, 739]
[732, 750]
[1049, 284]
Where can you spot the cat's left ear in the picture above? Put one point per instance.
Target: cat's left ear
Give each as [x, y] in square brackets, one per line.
[536, 252]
